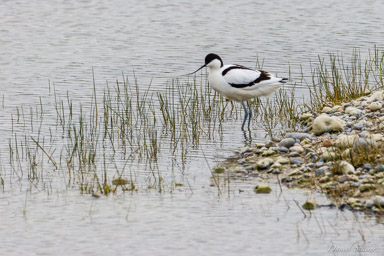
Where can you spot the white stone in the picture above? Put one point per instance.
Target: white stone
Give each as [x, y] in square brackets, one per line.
[353, 111]
[376, 137]
[376, 96]
[264, 163]
[335, 108]
[305, 116]
[282, 160]
[374, 106]
[326, 110]
[378, 201]
[297, 148]
[345, 141]
[346, 167]
[325, 123]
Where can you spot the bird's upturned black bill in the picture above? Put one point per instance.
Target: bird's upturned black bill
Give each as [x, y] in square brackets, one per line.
[197, 70]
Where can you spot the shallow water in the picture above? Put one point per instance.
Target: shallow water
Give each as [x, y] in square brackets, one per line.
[60, 42]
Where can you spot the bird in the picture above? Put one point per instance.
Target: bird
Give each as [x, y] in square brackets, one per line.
[239, 83]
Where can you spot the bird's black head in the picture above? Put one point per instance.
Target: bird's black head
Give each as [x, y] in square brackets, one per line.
[212, 56]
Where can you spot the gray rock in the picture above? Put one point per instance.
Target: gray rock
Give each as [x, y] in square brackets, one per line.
[282, 150]
[360, 125]
[364, 134]
[321, 170]
[311, 165]
[367, 166]
[287, 142]
[319, 164]
[293, 154]
[355, 184]
[343, 178]
[245, 150]
[298, 135]
[369, 203]
[379, 168]
[297, 161]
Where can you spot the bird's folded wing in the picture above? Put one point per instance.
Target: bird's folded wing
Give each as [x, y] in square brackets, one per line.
[240, 77]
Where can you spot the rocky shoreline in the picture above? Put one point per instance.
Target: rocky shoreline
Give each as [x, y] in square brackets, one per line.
[339, 153]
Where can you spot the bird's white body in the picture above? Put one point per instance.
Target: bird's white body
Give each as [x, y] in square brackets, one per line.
[236, 82]
[239, 75]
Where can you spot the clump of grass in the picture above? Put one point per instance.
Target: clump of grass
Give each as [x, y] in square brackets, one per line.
[334, 81]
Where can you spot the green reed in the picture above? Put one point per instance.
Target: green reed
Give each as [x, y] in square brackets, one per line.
[334, 81]
[129, 124]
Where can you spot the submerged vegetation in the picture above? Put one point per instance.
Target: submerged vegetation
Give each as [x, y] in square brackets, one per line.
[124, 130]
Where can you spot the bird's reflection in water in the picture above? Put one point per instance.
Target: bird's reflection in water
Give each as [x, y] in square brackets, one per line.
[247, 137]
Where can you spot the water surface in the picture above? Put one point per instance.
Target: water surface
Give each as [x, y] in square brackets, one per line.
[54, 45]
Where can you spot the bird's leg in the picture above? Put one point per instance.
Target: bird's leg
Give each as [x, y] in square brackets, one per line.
[249, 114]
[245, 115]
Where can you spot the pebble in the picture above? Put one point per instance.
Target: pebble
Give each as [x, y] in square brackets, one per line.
[343, 178]
[268, 152]
[360, 125]
[245, 150]
[366, 187]
[378, 201]
[330, 156]
[264, 163]
[120, 181]
[297, 148]
[282, 160]
[298, 135]
[297, 161]
[270, 144]
[282, 150]
[367, 166]
[287, 142]
[326, 110]
[346, 167]
[376, 96]
[353, 111]
[96, 195]
[262, 189]
[294, 172]
[379, 168]
[294, 154]
[364, 134]
[374, 106]
[327, 143]
[309, 205]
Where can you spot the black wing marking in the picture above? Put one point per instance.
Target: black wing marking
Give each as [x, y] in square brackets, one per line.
[263, 75]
